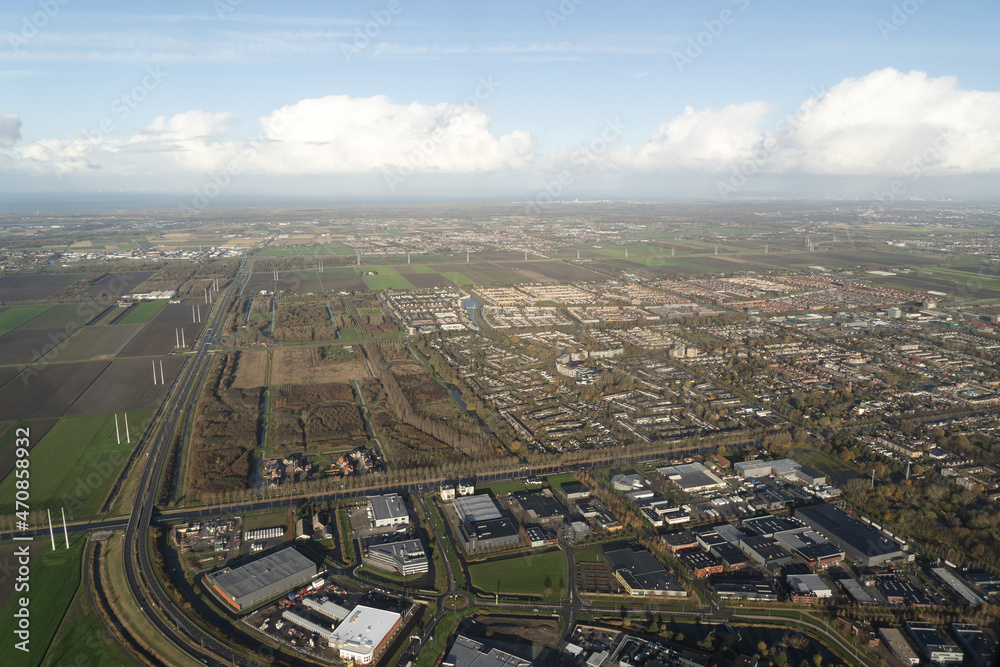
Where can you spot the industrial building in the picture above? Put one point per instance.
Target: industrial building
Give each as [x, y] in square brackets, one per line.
[365, 633]
[693, 478]
[700, 563]
[860, 542]
[262, 579]
[404, 558]
[785, 469]
[980, 647]
[896, 641]
[764, 551]
[388, 510]
[961, 590]
[641, 574]
[477, 508]
[934, 646]
[744, 589]
[468, 653]
[328, 609]
[539, 508]
[810, 547]
[489, 535]
[809, 584]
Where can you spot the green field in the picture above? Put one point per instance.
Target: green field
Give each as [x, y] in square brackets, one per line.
[15, 316]
[387, 278]
[143, 312]
[458, 278]
[75, 464]
[541, 574]
[421, 268]
[54, 579]
[94, 343]
[559, 481]
[589, 556]
[67, 316]
[321, 250]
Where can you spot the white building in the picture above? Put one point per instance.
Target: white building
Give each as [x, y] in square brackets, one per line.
[388, 510]
[364, 633]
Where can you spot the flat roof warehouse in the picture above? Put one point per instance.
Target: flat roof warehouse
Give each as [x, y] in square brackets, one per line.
[263, 578]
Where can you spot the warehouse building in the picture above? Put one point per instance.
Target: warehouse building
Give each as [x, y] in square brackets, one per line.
[810, 547]
[809, 584]
[785, 469]
[489, 535]
[468, 653]
[364, 635]
[860, 542]
[961, 590]
[981, 649]
[539, 508]
[308, 625]
[404, 558]
[693, 478]
[898, 645]
[387, 510]
[328, 609]
[744, 589]
[700, 563]
[641, 574]
[764, 551]
[262, 579]
[477, 508]
[934, 646]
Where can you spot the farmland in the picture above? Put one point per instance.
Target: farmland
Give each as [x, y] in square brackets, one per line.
[127, 384]
[143, 312]
[68, 316]
[304, 366]
[386, 278]
[32, 287]
[47, 391]
[54, 584]
[16, 316]
[318, 250]
[534, 575]
[94, 343]
[82, 458]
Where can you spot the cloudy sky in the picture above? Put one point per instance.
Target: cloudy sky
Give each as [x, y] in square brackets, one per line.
[398, 100]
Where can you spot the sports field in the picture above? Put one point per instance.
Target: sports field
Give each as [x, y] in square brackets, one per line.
[75, 464]
[541, 574]
[143, 312]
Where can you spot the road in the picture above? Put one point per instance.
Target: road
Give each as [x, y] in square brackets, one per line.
[140, 575]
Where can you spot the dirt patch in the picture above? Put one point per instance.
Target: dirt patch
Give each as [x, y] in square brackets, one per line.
[306, 366]
[313, 419]
[251, 369]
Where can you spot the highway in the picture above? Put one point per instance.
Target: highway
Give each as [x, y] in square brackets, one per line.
[141, 578]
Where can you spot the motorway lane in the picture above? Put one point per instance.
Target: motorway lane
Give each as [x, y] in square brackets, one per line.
[137, 557]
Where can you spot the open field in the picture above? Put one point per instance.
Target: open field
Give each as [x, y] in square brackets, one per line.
[559, 481]
[251, 369]
[23, 346]
[82, 639]
[458, 278]
[115, 284]
[387, 278]
[8, 435]
[16, 316]
[33, 287]
[353, 283]
[98, 342]
[315, 419]
[143, 312]
[541, 575]
[76, 463]
[322, 249]
[304, 366]
[502, 488]
[127, 384]
[161, 338]
[482, 273]
[303, 322]
[54, 582]
[839, 473]
[47, 391]
[180, 313]
[68, 315]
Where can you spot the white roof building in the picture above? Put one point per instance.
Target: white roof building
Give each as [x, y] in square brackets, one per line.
[363, 633]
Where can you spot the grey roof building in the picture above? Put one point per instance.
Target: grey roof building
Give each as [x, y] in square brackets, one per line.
[405, 558]
[466, 652]
[860, 542]
[641, 574]
[933, 644]
[262, 579]
[388, 510]
[982, 649]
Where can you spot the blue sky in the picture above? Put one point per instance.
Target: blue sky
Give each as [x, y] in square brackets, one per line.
[498, 98]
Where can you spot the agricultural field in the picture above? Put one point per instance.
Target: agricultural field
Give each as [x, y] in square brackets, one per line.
[127, 384]
[23, 346]
[251, 369]
[143, 312]
[68, 316]
[55, 581]
[33, 287]
[458, 278]
[96, 342]
[82, 458]
[306, 366]
[387, 278]
[47, 390]
[16, 316]
[534, 575]
[319, 250]
[8, 435]
[314, 419]
[158, 338]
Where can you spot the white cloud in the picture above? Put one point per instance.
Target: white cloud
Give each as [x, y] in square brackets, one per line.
[706, 140]
[10, 130]
[336, 134]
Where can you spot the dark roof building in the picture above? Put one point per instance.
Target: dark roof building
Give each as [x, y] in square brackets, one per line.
[641, 574]
[700, 563]
[934, 646]
[489, 535]
[859, 541]
[744, 589]
[538, 507]
[980, 647]
[262, 579]
[468, 653]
